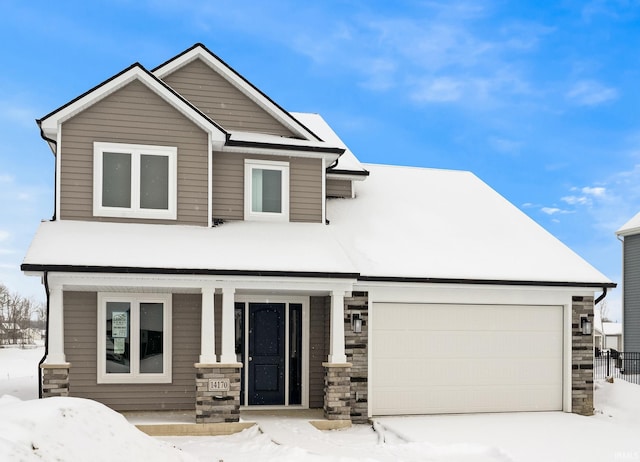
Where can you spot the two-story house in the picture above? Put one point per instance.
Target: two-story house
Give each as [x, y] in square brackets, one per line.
[629, 234]
[211, 251]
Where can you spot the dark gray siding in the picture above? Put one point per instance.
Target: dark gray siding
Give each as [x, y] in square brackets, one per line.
[80, 324]
[338, 188]
[221, 101]
[631, 287]
[136, 115]
[318, 348]
[305, 186]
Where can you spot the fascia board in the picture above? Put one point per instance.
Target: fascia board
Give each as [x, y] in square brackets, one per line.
[292, 152]
[242, 84]
[50, 123]
[348, 177]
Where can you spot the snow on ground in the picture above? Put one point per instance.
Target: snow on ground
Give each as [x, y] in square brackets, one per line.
[74, 430]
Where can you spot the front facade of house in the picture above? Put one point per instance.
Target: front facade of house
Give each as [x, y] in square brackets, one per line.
[629, 234]
[214, 252]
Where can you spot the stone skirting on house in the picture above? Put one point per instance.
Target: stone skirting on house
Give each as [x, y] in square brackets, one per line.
[55, 379]
[356, 349]
[218, 392]
[581, 358]
[337, 391]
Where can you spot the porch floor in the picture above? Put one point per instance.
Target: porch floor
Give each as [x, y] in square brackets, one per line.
[183, 423]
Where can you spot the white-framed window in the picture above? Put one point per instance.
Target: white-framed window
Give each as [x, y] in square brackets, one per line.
[266, 190]
[134, 181]
[134, 338]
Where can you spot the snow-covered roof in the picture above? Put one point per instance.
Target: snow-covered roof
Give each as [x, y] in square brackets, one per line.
[612, 328]
[405, 222]
[347, 161]
[630, 227]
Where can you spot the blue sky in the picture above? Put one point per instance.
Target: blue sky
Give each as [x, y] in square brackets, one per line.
[539, 99]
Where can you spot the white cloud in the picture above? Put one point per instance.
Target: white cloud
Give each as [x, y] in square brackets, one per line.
[589, 193]
[597, 191]
[554, 210]
[504, 144]
[4, 235]
[441, 89]
[591, 93]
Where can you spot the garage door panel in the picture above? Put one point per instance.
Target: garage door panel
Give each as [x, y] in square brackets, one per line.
[431, 358]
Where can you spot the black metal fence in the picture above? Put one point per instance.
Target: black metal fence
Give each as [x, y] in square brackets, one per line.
[617, 364]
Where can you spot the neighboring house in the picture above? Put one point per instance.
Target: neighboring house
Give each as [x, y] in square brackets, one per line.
[607, 335]
[629, 234]
[210, 251]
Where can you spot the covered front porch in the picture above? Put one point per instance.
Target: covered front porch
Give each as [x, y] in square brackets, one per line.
[272, 343]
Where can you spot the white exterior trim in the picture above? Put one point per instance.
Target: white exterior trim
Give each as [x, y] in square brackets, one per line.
[287, 300]
[50, 125]
[135, 376]
[324, 191]
[135, 151]
[283, 168]
[58, 171]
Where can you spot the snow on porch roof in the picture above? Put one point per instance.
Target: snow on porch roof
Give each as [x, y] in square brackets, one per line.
[405, 223]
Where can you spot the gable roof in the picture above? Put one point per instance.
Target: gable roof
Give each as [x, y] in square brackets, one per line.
[49, 123]
[199, 51]
[310, 144]
[347, 164]
[405, 225]
[631, 227]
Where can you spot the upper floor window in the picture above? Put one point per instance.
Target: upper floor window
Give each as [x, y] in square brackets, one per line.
[134, 181]
[266, 190]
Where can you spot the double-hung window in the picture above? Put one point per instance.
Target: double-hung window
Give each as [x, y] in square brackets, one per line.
[266, 190]
[134, 181]
[134, 338]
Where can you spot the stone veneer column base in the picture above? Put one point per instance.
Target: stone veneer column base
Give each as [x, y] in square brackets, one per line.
[581, 358]
[217, 406]
[337, 391]
[55, 379]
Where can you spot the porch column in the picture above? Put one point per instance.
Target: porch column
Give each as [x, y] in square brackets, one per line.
[55, 333]
[336, 343]
[228, 355]
[55, 369]
[207, 328]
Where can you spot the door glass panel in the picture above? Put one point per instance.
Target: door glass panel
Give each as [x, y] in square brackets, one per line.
[295, 353]
[154, 182]
[116, 179]
[151, 338]
[118, 348]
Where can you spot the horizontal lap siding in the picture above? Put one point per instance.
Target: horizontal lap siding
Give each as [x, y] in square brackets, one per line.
[221, 101]
[338, 188]
[305, 186]
[135, 115]
[318, 335]
[80, 313]
[631, 286]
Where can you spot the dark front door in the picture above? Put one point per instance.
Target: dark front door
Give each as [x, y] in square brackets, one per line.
[266, 353]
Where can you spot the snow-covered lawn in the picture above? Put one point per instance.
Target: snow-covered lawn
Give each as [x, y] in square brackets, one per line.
[71, 429]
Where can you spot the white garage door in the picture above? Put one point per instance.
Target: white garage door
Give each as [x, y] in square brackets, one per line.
[432, 359]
